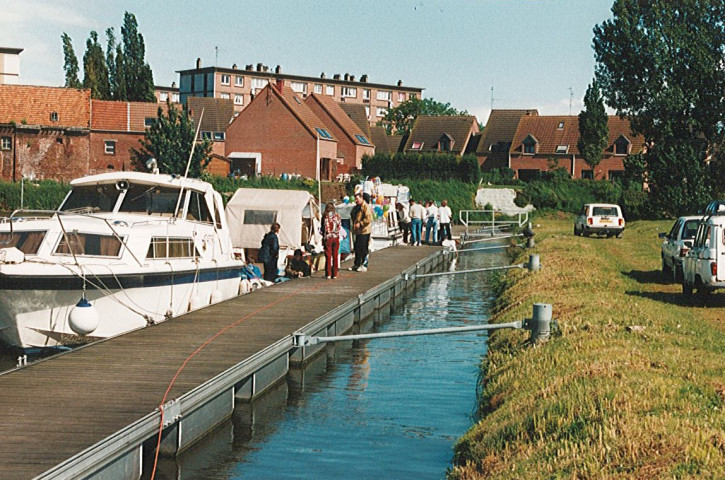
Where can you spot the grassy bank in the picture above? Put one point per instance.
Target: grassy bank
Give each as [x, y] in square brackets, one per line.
[632, 387]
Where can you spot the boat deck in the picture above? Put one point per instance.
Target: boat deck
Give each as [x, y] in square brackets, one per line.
[56, 408]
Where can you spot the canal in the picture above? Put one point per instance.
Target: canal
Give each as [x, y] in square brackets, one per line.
[384, 408]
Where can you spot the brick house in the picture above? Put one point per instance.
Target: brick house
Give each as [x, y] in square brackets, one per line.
[44, 132]
[441, 134]
[277, 134]
[352, 142]
[497, 137]
[545, 142]
[116, 128]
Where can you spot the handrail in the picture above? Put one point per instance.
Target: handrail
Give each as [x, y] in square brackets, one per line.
[490, 220]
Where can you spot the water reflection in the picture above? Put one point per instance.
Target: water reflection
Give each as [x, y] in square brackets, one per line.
[386, 408]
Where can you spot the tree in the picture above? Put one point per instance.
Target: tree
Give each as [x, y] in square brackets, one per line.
[94, 66]
[660, 63]
[400, 119]
[169, 140]
[70, 64]
[593, 126]
[137, 73]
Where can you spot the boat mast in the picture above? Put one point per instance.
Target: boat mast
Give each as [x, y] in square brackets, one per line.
[188, 163]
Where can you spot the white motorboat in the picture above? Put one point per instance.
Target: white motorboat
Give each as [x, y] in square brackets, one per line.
[124, 250]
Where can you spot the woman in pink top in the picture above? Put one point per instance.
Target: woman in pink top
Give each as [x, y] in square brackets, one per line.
[331, 240]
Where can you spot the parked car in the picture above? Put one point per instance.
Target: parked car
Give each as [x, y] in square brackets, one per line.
[600, 219]
[703, 268]
[715, 206]
[675, 246]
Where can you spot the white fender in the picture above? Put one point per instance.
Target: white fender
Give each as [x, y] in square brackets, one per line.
[83, 318]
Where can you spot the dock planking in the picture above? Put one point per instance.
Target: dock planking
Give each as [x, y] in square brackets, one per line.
[56, 408]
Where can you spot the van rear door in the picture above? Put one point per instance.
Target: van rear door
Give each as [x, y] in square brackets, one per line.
[720, 253]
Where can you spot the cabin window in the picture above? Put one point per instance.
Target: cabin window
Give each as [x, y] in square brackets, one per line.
[26, 242]
[198, 209]
[260, 217]
[150, 199]
[88, 244]
[91, 198]
[169, 247]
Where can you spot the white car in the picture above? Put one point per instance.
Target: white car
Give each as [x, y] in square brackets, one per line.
[600, 219]
[704, 266]
[675, 246]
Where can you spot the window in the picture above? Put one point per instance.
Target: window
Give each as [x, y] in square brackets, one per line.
[198, 210]
[323, 133]
[226, 79]
[385, 95]
[238, 81]
[206, 135]
[54, 116]
[529, 145]
[362, 139]
[560, 126]
[101, 197]
[329, 90]
[299, 87]
[349, 92]
[6, 143]
[401, 97]
[413, 95]
[175, 97]
[621, 146]
[238, 99]
[218, 136]
[366, 94]
[367, 111]
[149, 199]
[224, 96]
[587, 174]
[381, 111]
[74, 243]
[26, 242]
[169, 247]
[149, 121]
[260, 217]
[562, 148]
[259, 83]
[417, 146]
[109, 147]
[163, 96]
[318, 88]
[444, 144]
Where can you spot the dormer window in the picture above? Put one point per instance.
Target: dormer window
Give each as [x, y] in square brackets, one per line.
[622, 146]
[53, 116]
[560, 126]
[562, 148]
[530, 145]
[445, 143]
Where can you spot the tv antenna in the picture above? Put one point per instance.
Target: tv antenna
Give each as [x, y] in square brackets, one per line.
[571, 98]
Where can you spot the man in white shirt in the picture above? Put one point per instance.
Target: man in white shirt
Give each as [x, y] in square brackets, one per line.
[444, 215]
[417, 213]
[431, 225]
[368, 190]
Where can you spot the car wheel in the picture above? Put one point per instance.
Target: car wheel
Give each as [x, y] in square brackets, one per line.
[677, 273]
[576, 232]
[585, 233]
[619, 235]
[666, 271]
[686, 289]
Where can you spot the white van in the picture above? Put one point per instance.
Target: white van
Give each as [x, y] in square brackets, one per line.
[600, 219]
[704, 266]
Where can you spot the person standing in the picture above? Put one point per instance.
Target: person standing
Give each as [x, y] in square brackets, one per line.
[331, 224]
[368, 190]
[417, 213]
[431, 226]
[403, 220]
[361, 218]
[269, 252]
[444, 214]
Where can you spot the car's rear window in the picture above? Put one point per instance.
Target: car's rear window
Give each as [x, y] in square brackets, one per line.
[690, 229]
[604, 212]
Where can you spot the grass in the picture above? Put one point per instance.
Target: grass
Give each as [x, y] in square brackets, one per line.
[600, 399]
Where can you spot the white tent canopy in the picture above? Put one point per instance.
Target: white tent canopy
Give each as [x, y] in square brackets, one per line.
[251, 211]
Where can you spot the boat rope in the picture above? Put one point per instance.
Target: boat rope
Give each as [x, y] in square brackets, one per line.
[204, 345]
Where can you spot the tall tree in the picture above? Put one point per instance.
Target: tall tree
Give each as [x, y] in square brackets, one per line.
[660, 63]
[593, 126]
[400, 119]
[94, 66]
[70, 63]
[138, 75]
[169, 140]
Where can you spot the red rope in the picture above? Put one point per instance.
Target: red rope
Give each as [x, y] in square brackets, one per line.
[199, 349]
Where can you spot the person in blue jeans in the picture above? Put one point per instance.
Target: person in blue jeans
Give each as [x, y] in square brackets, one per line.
[417, 213]
[431, 226]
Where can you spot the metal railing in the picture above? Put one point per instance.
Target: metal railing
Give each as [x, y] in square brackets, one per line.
[491, 219]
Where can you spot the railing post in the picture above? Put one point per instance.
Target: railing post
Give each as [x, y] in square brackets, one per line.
[534, 264]
[541, 323]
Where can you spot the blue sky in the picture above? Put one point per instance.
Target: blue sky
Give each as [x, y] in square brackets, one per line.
[533, 53]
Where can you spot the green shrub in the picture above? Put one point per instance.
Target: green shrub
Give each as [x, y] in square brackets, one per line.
[40, 195]
[422, 166]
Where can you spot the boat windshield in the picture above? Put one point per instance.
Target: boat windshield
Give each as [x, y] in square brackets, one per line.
[150, 199]
[91, 198]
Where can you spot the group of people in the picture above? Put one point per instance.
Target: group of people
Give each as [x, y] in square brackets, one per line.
[361, 219]
[437, 221]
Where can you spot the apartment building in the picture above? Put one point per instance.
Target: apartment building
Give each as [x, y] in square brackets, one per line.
[10, 65]
[241, 85]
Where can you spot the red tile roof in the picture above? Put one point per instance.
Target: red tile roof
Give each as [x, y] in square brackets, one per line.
[501, 128]
[427, 131]
[122, 116]
[34, 105]
[297, 107]
[339, 116]
[218, 112]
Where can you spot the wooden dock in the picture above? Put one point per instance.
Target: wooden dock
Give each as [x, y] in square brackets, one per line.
[104, 399]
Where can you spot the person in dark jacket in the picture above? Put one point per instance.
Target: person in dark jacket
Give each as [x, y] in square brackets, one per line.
[297, 266]
[269, 253]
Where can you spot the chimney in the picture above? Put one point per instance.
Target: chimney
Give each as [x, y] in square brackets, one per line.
[249, 67]
[352, 78]
[234, 67]
[259, 67]
[322, 75]
[278, 70]
[347, 77]
[336, 76]
[173, 84]
[400, 83]
[279, 85]
[364, 78]
[198, 63]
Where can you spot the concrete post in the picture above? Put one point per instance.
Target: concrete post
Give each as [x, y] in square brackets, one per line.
[530, 242]
[541, 323]
[534, 264]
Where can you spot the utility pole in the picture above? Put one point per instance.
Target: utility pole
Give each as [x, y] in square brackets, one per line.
[571, 97]
[216, 56]
[492, 98]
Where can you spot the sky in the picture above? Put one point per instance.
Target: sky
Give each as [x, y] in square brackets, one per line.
[473, 54]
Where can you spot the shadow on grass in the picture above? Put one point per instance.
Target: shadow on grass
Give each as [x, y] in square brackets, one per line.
[713, 300]
[649, 276]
